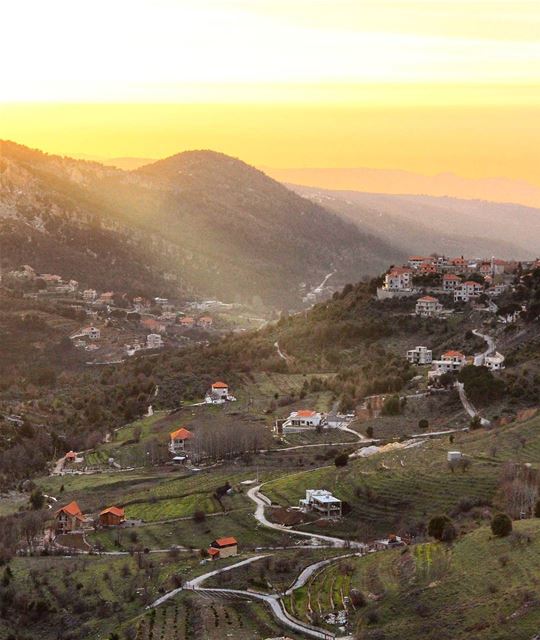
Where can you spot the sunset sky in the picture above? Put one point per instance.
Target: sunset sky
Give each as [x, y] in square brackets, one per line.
[428, 86]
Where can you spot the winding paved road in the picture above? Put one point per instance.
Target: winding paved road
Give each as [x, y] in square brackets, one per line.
[480, 357]
[272, 600]
[261, 502]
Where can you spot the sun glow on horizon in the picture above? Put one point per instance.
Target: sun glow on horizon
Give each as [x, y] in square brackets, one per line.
[461, 78]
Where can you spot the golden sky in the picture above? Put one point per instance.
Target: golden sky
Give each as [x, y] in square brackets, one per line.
[422, 85]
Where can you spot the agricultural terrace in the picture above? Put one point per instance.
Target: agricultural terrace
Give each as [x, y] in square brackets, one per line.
[481, 587]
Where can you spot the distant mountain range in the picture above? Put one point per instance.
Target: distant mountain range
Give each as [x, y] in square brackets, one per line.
[399, 182]
[421, 224]
[198, 223]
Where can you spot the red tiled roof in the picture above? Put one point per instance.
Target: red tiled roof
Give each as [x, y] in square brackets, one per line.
[213, 552]
[450, 276]
[70, 454]
[471, 282]
[400, 271]
[225, 542]
[454, 354]
[116, 511]
[220, 385]
[181, 434]
[72, 509]
[428, 299]
[306, 413]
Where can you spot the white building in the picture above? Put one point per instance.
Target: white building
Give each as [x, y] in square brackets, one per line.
[398, 278]
[154, 341]
[450, 281]
[322, 501]
[220, 390]
[415, 262]
[450, 362]
[93, 333]
[420, 355]
[494, 362]
[467, 290]
[304, 418]
[428, 306]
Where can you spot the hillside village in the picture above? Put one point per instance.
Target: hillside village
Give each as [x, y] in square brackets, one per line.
[122, 325]
[381, 433]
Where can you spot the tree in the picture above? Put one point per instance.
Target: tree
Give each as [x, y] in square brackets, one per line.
[501, 525]
[369, 432]
[537, 509]
[437, 526]
[449, 533]
[423, 424]
[137, 432]
[37, 500]
[391, 406]
[341, 460]
[475, 423]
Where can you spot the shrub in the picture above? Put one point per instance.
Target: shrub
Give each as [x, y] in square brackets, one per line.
[423, 424]
[357, 598]
[199, 516]
[341, 460]
[391, 406]
[501, 525]
[437, 526]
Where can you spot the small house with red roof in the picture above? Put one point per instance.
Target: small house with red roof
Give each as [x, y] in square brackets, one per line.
[428, 306]
[304, 418]
[415, 262]
[69, 518]
[467, 290]
[178, 439]
[223, 548]
[220, 389]
[450, 362]
[398, 278]
[71, 456]
[112, 517]
[450, 281]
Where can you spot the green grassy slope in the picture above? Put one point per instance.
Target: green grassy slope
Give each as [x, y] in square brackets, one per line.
[480, 588]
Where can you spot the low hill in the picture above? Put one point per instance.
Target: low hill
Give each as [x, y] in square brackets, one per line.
[199, 223]
[421, 224]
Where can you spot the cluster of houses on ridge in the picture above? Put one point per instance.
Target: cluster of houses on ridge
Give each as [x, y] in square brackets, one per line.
[464, 279]
[452, 361]
[150, 318]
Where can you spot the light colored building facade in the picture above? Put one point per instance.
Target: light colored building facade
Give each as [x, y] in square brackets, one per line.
[323, 502]
[428, 306]
[420, 355]
[154, 341]
[398, 278]
[468, 290]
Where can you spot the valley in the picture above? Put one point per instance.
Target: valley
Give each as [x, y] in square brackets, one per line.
[307, 458]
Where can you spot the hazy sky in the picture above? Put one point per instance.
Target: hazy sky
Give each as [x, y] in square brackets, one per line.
[422, 85]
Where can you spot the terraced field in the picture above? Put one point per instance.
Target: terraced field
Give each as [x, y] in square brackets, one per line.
[395, 490]
[191, 616]
[480, 587]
